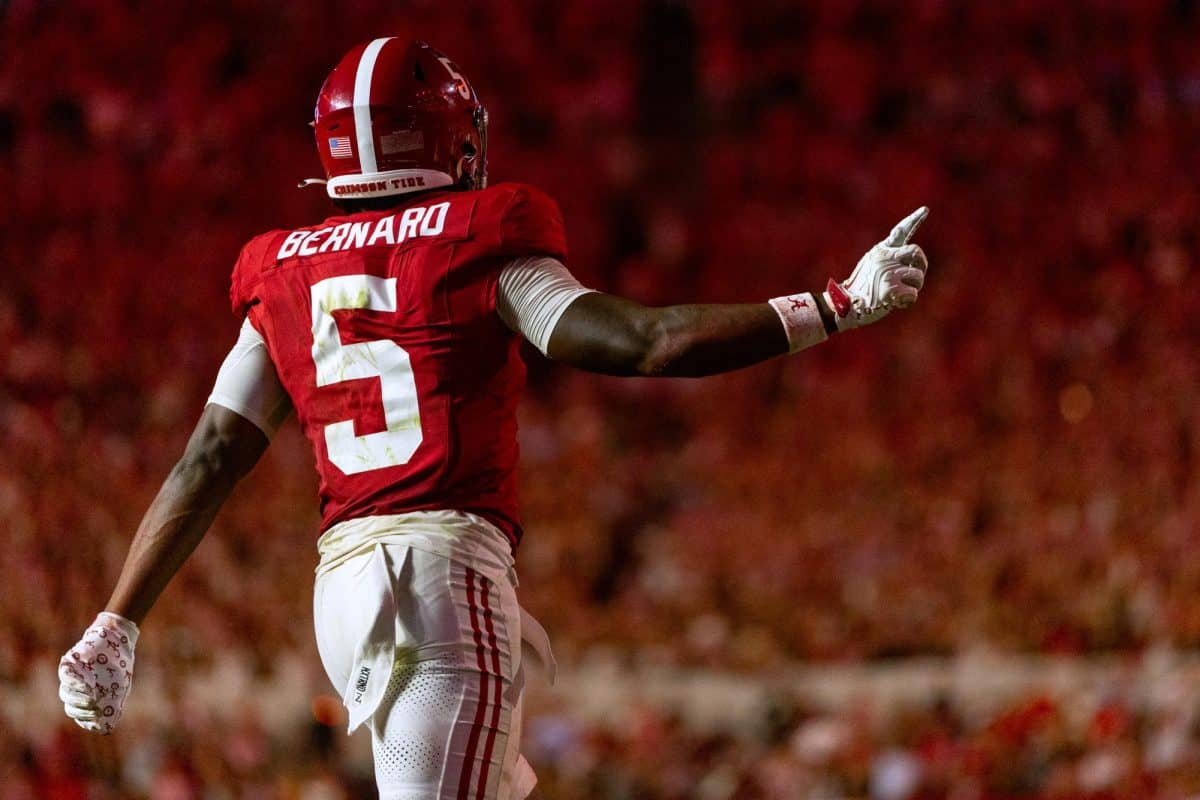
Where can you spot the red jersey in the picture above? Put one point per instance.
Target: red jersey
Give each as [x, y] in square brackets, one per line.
[383, 328]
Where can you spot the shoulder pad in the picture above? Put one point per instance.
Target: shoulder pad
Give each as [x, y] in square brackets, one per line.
[529, 221]
[256, 255]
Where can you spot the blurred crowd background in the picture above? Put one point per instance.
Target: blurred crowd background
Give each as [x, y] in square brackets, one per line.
[1009, 468]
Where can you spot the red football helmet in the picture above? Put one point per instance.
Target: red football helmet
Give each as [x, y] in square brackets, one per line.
[395, 117]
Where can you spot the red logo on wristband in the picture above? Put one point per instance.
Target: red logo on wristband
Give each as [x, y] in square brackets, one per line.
[798, 303]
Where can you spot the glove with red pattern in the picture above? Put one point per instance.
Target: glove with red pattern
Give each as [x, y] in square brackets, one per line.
[95, 675]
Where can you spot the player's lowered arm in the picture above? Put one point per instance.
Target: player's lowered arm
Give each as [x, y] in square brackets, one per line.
[611, 335]
[96, 674]
[223, 447]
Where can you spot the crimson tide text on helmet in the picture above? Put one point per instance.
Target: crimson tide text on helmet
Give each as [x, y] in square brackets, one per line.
[397, 116]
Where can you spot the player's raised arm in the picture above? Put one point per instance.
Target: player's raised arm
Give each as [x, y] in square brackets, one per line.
[246, 406]
[612, 335]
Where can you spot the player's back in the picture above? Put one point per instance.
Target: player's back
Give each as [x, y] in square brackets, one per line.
[383, 329]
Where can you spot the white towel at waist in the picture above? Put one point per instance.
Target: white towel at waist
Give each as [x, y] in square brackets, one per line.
[464, 537]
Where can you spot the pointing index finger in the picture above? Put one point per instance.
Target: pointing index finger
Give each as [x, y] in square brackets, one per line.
[906, 227]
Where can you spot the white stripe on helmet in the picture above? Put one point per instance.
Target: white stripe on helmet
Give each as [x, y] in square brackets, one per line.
[362, 104]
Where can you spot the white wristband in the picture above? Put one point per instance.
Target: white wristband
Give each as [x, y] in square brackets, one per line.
[801, 320]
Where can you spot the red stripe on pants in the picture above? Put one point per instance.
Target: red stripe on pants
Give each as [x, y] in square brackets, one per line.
[491, 737]
[464, 781]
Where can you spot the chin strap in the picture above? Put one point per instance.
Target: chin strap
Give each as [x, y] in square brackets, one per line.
[304, 184]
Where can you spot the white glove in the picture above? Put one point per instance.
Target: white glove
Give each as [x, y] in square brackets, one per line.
[95, 675]
[889, 276]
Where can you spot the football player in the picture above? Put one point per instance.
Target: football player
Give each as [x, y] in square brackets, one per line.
[392, 331]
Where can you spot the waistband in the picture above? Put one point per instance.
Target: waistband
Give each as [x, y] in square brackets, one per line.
[457, 535]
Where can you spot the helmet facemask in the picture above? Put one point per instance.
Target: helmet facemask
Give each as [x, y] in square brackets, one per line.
[479, 159]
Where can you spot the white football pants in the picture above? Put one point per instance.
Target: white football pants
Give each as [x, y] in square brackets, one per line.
[446, 722]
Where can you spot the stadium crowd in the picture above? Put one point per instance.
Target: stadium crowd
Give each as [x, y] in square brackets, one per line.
[1011, 465]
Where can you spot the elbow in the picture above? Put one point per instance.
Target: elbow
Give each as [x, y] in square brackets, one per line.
[201, 466]
[662, 351]
[211, 459]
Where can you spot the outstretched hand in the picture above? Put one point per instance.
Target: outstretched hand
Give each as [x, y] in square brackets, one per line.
[890, 275]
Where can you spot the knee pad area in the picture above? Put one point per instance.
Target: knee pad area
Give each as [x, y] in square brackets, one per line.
[415, 720]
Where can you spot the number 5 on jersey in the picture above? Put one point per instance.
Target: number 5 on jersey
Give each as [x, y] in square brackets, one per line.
[380, 358]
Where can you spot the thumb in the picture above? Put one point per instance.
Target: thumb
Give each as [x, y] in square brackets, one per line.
[906, 227]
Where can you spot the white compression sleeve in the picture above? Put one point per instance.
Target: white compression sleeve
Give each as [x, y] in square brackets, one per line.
[532, 295]
[248, 386]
